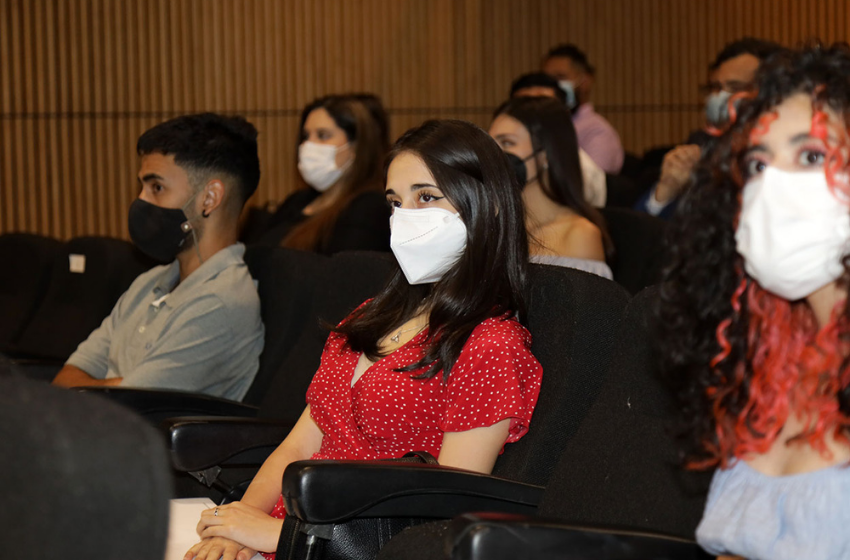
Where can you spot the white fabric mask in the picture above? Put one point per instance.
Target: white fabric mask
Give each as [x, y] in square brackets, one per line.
[792, 232]
[317, 164]
[570, 89]
[426, 242]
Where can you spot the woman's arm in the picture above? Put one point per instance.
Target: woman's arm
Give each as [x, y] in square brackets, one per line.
[476, 449]
[246, 526]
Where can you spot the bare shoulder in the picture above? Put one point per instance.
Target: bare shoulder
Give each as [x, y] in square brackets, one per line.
[575, 236]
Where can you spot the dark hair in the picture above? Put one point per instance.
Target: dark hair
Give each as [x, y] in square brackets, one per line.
[569, 50]
[538, 79]
[550, 125]
[759, 48]
[208, 143]
[363, 120]
[705, 326]
[489, 278]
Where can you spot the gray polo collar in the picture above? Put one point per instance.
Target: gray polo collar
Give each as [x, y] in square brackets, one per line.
[223, 259]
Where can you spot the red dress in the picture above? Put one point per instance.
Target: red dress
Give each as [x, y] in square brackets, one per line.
[387, 413]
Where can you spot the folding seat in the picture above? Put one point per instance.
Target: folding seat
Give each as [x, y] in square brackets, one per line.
[618, 491]
[88, 276]
[83, 478]
[639, 244]
[24, 274]
[349, 509]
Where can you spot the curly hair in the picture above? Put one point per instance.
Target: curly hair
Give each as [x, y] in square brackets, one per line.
[739, 357]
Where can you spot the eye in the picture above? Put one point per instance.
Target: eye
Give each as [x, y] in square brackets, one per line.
[811, 158]
[753, 167]
[392, 203]
[157, 187]
[507, 144]
[427, 197]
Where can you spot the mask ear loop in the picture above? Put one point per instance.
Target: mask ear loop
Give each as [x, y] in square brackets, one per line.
[537, 166]
[187, 226]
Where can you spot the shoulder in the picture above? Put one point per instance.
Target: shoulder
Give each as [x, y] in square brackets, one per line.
[574, 236]
[502, 331]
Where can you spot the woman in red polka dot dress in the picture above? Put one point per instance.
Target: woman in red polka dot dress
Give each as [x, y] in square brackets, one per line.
[438, 361]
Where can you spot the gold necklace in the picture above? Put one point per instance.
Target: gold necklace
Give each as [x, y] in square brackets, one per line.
[397, 336]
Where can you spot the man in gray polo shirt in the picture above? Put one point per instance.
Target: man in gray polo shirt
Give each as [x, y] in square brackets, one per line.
[193, 324]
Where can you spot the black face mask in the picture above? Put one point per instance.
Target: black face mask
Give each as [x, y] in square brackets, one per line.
[519, 168]
[158, 232]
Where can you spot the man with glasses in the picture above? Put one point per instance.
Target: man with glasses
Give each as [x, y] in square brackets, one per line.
[733, 71]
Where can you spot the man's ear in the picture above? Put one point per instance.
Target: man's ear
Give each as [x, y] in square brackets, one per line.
[212, 196]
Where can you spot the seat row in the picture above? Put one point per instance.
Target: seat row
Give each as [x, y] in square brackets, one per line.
[596, 455]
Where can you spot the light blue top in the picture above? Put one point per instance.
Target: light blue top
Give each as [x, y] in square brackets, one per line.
[202, 335]
[794, 517]
[598, 268]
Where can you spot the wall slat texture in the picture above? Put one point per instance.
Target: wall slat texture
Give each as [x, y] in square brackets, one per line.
[81, 79]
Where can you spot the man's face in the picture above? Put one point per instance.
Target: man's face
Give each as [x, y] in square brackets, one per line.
[562, 68]
[163, 183]
[735, 75]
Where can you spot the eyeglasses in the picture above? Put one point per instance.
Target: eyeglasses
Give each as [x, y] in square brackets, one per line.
[732, 87]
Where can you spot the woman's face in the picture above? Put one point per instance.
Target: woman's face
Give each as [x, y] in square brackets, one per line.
[787, 143]
[410, 185]
[515, 139]
[319, 127]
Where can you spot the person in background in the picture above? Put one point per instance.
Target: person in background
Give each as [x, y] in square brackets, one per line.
[433, 362]
[570, 66]
[539, 84]
[343, 143]
[564, 230]
[193, 324]
[754, 318]
[732, 72]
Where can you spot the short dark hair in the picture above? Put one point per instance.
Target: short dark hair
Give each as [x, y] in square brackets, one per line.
[209, 143]
[759, 48]
[569, 50]
[538, 79]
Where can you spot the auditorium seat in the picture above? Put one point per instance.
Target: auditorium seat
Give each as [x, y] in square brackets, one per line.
[88, 276]
[573, 318]
[618, 491]
[83, 478]
[639, 247]
[26, 260]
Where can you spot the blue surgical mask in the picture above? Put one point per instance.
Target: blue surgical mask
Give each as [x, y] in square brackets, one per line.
[570, 89]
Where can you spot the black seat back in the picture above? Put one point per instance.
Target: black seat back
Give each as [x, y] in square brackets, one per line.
[27, 260]
[572, 316]
[286, 283]
[84, 478]
[639, 244]
[88, 276]
[348, 279]
[622, 468]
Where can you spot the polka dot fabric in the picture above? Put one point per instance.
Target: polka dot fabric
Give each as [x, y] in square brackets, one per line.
[387, 413]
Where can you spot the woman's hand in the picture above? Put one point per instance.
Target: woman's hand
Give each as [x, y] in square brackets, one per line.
[244, 524]
[218, 547]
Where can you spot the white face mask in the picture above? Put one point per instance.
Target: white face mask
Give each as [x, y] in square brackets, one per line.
[570, 89]
[317, 164]
[426, 242]
[717, 108]
[792, 232]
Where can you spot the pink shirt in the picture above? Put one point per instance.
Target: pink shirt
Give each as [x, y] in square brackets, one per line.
[598, 138]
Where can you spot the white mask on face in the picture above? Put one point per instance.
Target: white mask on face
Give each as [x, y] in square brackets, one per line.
[570, 89]
[426, 242]
[792, 232]
[317, 164]
[717, 108]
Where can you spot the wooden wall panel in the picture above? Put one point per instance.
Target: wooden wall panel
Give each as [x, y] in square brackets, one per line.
[81, 79]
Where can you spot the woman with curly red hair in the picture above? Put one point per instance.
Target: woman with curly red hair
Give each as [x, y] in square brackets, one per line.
[754, 315]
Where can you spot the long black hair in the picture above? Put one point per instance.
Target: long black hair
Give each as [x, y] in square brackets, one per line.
[703, 312]
[488, 279]
[550, 125]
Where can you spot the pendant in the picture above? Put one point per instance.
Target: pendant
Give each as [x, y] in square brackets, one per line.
[396, 337]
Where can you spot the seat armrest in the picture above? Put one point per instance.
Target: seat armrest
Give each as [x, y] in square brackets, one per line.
[201, 442]
[159, 404]
[389, 489]
[494, 536]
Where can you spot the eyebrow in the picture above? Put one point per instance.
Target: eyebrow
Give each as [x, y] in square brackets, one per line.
[417, 186]
[150, 177]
